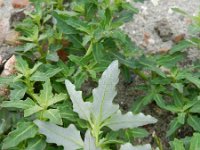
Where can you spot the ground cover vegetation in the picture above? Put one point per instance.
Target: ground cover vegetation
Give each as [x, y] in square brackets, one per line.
[65, 44]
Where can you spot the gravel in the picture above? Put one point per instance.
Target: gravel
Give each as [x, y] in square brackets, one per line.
[142, 28]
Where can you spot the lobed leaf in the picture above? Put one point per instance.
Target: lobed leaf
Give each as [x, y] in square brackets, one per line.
[103, 95]
[79, 106]
[69, 137]
[129, 120]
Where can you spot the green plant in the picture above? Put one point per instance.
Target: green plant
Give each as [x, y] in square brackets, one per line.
[99, 114]
[188, 143]
[85, 42]
[171, 86]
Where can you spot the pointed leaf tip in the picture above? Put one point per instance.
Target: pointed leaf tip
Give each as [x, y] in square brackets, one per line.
[103, 95]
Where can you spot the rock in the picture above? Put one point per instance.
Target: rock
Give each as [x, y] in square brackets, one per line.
[163, 29]
[17, 17]
[1, 3]
[4, 28]
[146, 38]
[163, 50]
[178, 38]
[20, 3]
[9, 67]
[4, 92]
[12, 38]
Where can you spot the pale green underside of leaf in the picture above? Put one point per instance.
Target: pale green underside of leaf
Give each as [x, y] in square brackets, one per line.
[69, 137]
[128, 120]
[89, 142]
[79, 106]
[23, 131]
[129, 146]
[103, 95]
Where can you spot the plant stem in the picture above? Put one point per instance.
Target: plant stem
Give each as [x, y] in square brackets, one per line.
[140, 74]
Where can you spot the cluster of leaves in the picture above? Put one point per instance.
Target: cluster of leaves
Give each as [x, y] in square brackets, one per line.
[83, 33]
[173, 84]
[75, 41]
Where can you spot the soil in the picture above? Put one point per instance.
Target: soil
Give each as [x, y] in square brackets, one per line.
[155, 27]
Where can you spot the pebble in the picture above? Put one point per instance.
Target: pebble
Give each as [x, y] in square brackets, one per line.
[9, 67]
[20, 3]
[1, 3]
[12, 38]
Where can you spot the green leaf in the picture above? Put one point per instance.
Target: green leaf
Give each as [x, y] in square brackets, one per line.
[43, 76]
[36, 66]
[194, 122]
[78, 24]
[195, 108]
[79, 106]
[18, 92]
[31, 110]
[173, 126]
[17, 104]
[6, 80]
[151, 65]
[180, 47]
[69, 137]
[178, 145]
[195, 142]
[63, 26]
[26, 47]
[22, 65]
[24, 130]
[53, 115]
[45, 94]
[178, 86]
[179, 11]
[57, 98]
[181, 117]
[129, 146]
[194, 80]
[139, 132]
[37, 143]
[128, 120]
[103, 95]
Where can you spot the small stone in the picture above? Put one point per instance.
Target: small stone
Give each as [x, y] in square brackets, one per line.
[163, 50]
[146, 38]
[155, 2]
[163, 29]
[20, 3]
[1, 3]
[9, 67]
[178, 38]
[12, 38]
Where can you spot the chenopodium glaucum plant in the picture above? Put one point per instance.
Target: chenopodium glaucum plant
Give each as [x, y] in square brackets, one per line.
[99, 113]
